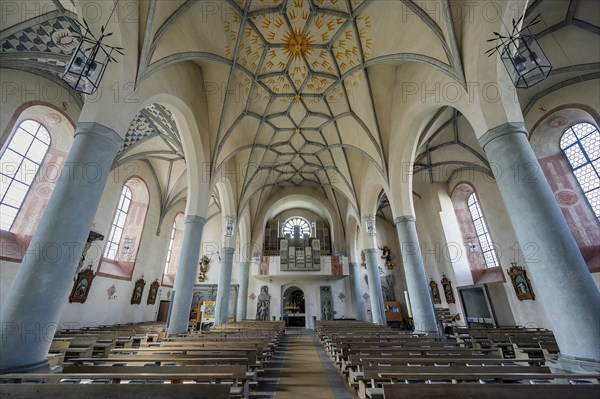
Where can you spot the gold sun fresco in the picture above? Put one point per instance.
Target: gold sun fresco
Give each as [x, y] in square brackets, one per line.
[302, 47]
[297, 44]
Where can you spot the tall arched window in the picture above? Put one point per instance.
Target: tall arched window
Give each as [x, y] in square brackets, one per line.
[172, 260]
[125, 235]
[118, 224]
[170, 250]
[296, 227]
[581, 145]
[19, 164]
[482, 231]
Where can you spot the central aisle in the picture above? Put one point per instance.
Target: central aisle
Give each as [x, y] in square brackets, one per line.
[303, 375]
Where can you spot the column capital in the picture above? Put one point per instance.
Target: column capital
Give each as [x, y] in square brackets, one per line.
[195, 219]
[228, 250]
[502, 130]
[405, 218]
[100, 130]
[371, 250]
[353, 264]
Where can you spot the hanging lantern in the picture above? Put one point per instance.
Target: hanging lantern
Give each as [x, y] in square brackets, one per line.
[229, 225]
[370, 225]
[89, 61]
[522, 56]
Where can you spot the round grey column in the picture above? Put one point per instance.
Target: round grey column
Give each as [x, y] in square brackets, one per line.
[375, 292]
[559, 273]
[224, 287]
[242, 304]
[414, 271]
[185, 277]
[355, 291]
[32, 309]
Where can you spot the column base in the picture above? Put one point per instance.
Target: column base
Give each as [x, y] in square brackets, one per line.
[40, 367]
[572, 364]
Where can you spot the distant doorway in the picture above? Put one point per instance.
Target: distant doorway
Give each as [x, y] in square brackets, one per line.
[163, 311]
[294, 310]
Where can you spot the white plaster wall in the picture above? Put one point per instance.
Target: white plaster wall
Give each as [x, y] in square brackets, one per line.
[99, 309]
[438, 253]
[19, 88]
[530, 313]
[309, 282]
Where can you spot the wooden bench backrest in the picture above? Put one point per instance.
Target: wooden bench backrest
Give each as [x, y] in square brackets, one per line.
[433, 352]
[103, 391]
[500, 391]
[372, 372]
[238, 371]
[177, 359]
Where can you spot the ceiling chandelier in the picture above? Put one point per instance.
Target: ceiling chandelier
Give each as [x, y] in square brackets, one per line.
[522, 55]
[90, 59]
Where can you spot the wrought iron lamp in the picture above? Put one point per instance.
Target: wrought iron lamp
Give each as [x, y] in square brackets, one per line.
[89, 60]
[370, 225]
[522, 55]
[229, 225]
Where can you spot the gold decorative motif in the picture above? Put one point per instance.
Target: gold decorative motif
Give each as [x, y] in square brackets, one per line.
[301, 46]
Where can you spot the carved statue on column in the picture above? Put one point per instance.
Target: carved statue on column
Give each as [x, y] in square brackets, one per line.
[264, 303]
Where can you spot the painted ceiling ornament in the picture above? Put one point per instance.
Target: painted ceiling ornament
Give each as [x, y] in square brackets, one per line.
[297, 44]
[65, 40]
[366, 296]
[299, 47]
[252, 296]
[52, 118]
[558, 121]
[342, 296]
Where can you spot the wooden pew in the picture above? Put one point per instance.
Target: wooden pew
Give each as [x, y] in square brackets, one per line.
[240, 379]
[192, 351]
[419, 352]
[164, 359]
[103, 391]
[370, 379]
[165, 375]
[498, 391]
[356, 362]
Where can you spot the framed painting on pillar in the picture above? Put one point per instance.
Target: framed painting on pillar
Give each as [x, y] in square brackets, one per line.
[521, 283]
[138, 290]
[82, 285]
[435, 292]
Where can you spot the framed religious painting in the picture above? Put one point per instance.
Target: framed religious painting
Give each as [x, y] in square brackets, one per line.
[521, 283]
[138, 290]
[447, 287]
[153, 293]
[82, 285]
[435, 292]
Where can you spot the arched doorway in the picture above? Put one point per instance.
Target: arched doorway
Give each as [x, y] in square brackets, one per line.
[294, 310]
